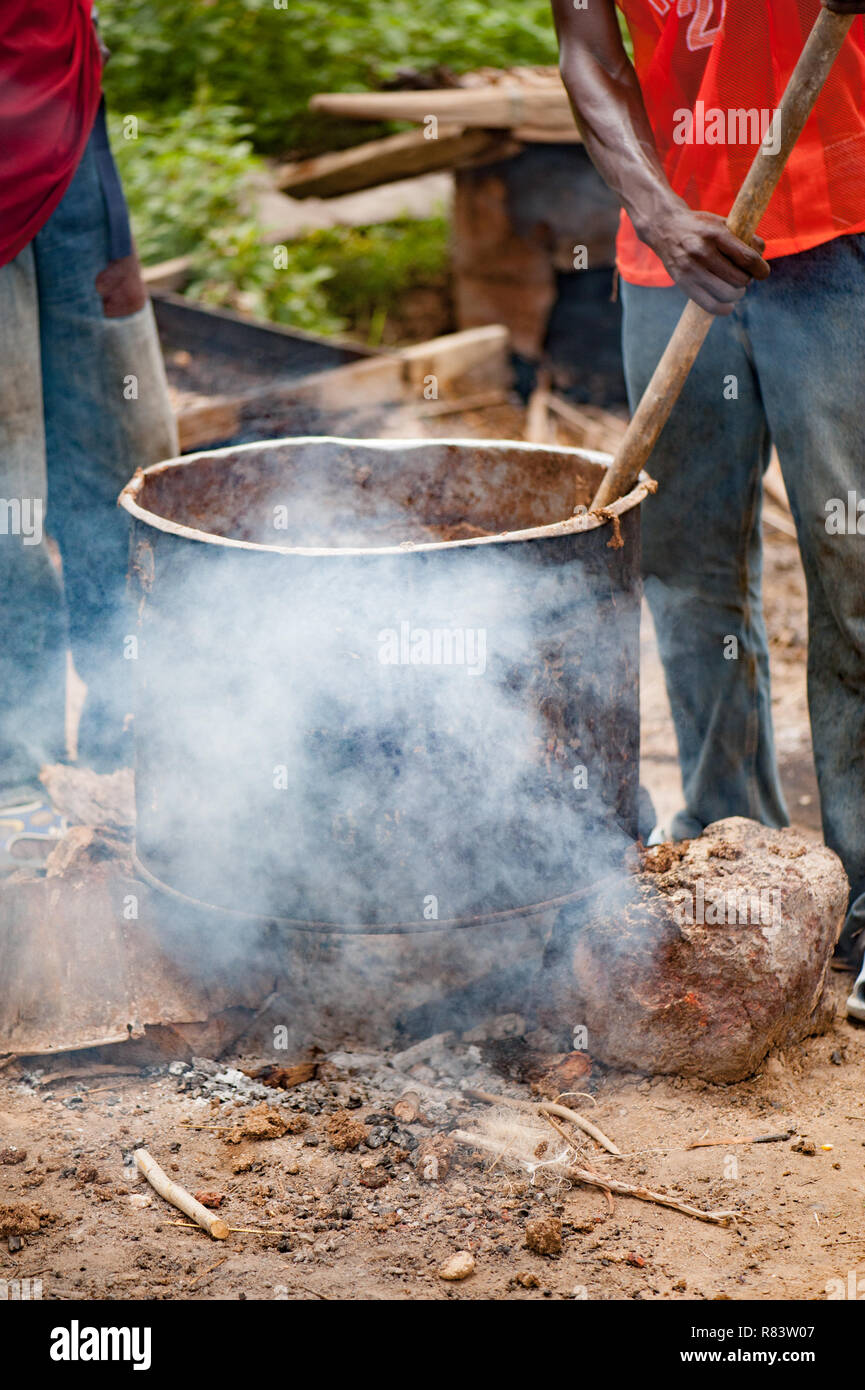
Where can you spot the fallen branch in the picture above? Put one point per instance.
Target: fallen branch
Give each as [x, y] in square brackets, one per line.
[178, 1196]
[644, 1194]
[753, 1139]
[546, 1107]
[606, 1184]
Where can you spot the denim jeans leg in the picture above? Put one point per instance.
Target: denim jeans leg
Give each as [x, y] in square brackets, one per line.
[32, 623]
[702, 565]
[807, 325]
[106, 413]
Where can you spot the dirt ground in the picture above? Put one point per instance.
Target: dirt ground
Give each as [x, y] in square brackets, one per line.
[317, 1221]
[321, 1221]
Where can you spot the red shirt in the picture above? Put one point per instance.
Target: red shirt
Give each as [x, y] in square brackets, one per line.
[727, 62]
[50, 72]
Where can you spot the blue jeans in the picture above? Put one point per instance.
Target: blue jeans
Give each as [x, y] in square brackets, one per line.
[83, 403]
[796, 348]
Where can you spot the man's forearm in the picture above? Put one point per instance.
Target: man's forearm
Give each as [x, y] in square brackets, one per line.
[697, 248]
[609, 110]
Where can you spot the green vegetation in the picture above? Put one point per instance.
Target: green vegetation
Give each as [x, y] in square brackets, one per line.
[372, 268]
[215, 85]
[267, 62]
[188, 179]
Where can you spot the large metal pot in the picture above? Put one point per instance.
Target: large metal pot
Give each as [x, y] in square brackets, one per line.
[383, 685]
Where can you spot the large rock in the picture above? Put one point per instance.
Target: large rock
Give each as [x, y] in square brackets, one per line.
[716, 951]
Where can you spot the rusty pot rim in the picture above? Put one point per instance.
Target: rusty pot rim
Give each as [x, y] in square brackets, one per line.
[588, 521]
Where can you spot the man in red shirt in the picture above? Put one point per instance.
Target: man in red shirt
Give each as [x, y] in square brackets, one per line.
[83, 403]
[674, 133]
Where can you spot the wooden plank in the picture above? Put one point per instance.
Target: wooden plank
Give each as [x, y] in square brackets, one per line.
[470, 362]
[536, 135]
[590, 426]
[385, 161]
[167, 275]
[537, 428]
[478, 358]
[202, 421]
[459, 405]
[542, 108]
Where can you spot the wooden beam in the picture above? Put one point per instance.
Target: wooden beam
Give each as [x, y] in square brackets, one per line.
[590, 426]
[206, 419]
[535, 135]
[537, 428]
[459, 405]
[385, 161]
[477, 358]
[543, 108]
[469, 362]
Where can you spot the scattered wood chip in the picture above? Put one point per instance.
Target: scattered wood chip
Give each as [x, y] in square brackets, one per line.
[565, 1074]
[407, 1107]
[283, 1078]
[204, 1273]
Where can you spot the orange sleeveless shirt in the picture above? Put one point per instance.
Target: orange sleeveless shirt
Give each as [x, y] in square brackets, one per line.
[712, 73]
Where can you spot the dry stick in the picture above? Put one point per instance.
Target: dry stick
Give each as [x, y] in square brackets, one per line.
[752, 1139]
[550, 1108]
[239, 1230]
[204, 1273]
[624, 1189]
[570, 1143]
[178, 1196]
[644, 1194]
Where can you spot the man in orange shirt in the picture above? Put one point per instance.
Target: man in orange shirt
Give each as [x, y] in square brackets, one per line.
[674, 134]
